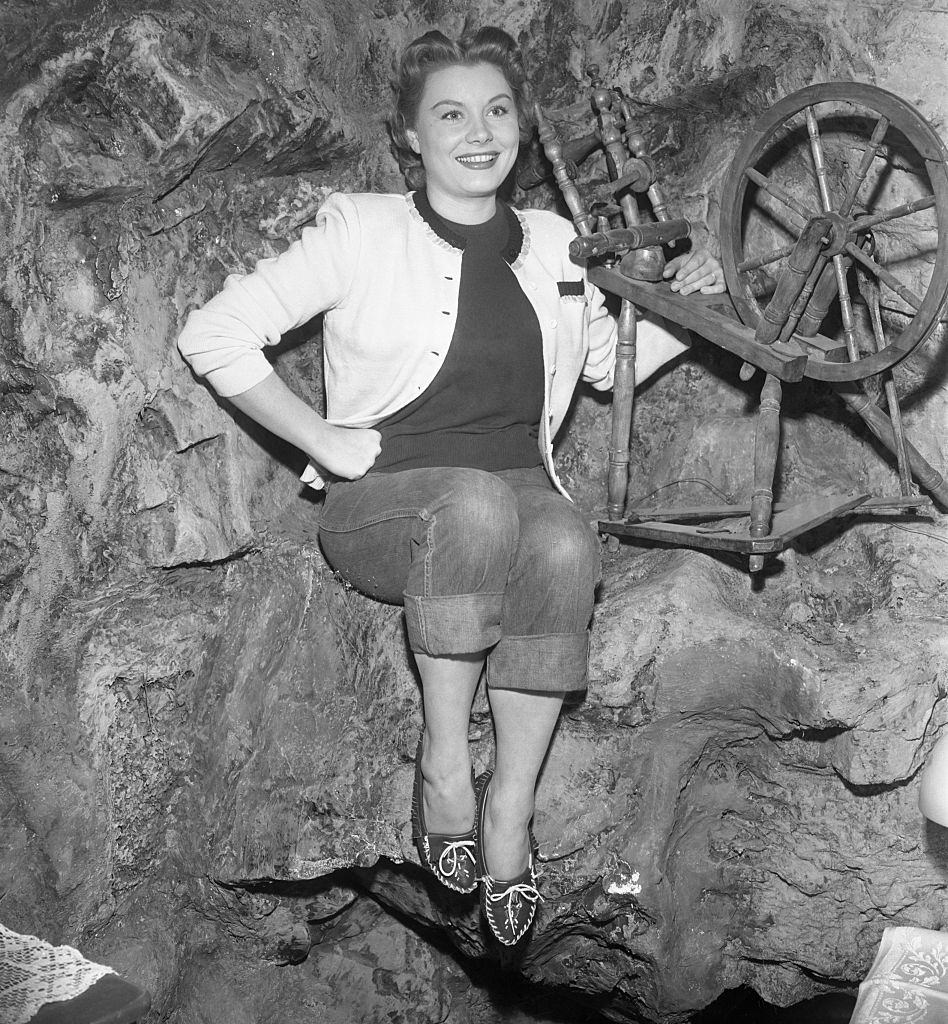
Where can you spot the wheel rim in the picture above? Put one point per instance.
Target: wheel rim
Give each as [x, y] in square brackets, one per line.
[912, 284]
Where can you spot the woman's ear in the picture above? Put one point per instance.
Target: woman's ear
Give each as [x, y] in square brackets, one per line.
[412, 137]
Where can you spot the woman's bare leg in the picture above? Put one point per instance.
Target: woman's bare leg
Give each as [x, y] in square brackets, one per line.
[523, 723]
[448, 683]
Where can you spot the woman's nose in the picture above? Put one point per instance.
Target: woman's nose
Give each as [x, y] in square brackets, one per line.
[478, 131]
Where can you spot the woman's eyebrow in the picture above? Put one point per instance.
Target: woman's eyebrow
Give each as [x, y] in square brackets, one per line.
[460, 103]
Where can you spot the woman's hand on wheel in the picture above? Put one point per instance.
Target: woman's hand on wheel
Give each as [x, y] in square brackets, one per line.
[696, 271]
[348, 452]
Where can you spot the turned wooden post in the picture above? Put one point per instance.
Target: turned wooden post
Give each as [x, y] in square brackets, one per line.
[623, 392]
[554, 153]
[656, 196]
[612, 143]
[644, 264]
[766, 444]
[623, 396]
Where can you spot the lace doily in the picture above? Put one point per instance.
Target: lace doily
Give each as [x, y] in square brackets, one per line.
[908, 983]
[33, 972]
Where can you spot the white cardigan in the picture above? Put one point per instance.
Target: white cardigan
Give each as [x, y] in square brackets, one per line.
[388, 283]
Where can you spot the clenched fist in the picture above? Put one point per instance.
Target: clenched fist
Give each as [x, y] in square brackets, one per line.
[348, 452]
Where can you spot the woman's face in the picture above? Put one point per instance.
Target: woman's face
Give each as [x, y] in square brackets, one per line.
[467, 136]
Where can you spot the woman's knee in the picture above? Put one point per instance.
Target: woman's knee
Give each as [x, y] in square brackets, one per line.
[470, 533]
[561, 547]
[475, 511]
[553, 583]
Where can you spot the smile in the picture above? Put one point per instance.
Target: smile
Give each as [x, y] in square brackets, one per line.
[477, 160]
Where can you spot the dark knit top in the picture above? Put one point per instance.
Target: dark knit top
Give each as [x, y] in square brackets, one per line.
[483, 408]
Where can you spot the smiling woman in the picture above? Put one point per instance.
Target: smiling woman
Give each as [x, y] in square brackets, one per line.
[467, 135]
[456, 331]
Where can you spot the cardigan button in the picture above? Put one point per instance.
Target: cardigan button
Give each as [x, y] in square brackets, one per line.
[553, 323]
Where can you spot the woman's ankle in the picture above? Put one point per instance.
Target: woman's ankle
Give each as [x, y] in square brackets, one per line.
[506, 839]
[510, 807]
[446, 765]
[447, 793]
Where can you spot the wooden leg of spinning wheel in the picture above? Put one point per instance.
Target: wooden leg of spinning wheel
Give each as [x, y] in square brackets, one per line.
[623, 395]
[869, 287]
[901, 449]
[765, 463]
[876, 420]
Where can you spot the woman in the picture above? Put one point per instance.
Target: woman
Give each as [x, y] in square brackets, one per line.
[456, 330]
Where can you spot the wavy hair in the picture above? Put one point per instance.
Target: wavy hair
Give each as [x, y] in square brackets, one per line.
[434, 51]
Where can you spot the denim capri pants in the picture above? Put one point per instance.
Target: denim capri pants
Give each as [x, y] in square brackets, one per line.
[498, 562]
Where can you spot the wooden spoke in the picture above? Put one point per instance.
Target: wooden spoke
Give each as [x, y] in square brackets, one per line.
[778, 193]
[861, 224]
[906, 294]
[816, 148]
[770, 257]
[875, 141]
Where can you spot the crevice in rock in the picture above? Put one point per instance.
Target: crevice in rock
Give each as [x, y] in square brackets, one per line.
[238, 555]
[877, 788]
[813, 734]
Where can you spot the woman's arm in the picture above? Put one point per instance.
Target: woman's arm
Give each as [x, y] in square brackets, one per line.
[347, 452]
[223, 340]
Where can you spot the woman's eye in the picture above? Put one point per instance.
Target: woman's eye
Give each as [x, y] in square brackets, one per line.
[451, 115]
[499, 110]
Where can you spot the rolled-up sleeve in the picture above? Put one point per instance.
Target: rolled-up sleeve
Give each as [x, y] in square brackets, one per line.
[224, 339]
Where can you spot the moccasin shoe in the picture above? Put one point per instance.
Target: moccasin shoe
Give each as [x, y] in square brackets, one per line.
[509, 906]
[451, 859]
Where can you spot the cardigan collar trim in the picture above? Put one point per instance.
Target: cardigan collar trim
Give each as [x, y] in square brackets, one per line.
[518, 234]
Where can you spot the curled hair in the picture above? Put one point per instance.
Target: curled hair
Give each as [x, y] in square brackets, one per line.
[434, 51]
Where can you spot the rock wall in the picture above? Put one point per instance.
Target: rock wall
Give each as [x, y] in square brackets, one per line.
[207, 739]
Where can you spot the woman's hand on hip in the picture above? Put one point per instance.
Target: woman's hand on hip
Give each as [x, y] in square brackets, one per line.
[348, 452]
[696, 271]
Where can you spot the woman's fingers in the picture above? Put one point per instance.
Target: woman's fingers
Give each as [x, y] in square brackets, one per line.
[695, 271]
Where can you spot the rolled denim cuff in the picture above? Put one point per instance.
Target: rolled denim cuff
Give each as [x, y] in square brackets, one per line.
[458, 624]
[552, 662]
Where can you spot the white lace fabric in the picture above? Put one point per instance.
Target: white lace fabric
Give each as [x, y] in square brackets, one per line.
[32, 972]
[908, 983]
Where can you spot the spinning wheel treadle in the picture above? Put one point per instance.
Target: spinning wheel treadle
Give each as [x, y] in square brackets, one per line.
[834, 235]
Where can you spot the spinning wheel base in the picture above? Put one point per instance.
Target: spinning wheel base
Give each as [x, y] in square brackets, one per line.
[789, 522]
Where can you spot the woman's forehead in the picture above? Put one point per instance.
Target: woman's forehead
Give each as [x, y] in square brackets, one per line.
[465, 83]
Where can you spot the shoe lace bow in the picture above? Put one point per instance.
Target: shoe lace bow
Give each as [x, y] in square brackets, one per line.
[513, 894]
[450, 862]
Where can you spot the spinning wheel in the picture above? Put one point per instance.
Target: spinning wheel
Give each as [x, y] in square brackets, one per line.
[834, 234]
[839, 193]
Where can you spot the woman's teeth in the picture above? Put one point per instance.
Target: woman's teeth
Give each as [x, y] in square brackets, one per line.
[480, 158]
